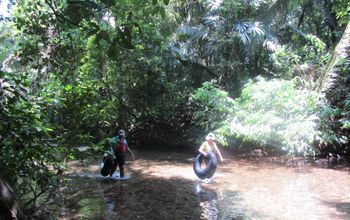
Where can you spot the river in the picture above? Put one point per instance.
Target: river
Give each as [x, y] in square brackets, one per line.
[162, 185]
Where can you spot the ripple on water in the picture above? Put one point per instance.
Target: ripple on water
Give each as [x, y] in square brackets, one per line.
[240, 189]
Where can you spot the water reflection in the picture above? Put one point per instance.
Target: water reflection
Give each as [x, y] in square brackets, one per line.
[207, 201]
[115, 198]
[220, 204]
[79, 205]
[163, 188]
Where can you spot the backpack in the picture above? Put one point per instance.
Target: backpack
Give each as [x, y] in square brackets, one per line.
[121, 147]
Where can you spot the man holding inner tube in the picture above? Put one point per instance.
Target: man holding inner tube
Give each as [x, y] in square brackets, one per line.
[210, 145]
[120, 146]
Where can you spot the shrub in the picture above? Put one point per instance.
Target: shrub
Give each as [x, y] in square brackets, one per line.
[268, 112]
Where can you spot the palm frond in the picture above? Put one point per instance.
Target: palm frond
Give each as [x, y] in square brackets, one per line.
[241, 28]
[195, 33]
[256, 28]
[244, 29]
[270, 9]
[271, 43]
[214, 4]
[213, 20]
[212, 47]
[258, 3]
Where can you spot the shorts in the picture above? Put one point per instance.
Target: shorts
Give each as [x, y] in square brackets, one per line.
[120, 159]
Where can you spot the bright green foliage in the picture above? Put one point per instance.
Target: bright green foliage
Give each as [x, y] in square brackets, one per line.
[284, 61]
[302, 63]
[216, 106]
[333, 119]
[317, 45]
[25, 155]
[6, 41]
[82, 68]
[273, 112]
[342, 10]
[77, 76]
[277, 112]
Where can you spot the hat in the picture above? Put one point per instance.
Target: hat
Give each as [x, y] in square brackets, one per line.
[121, 133]
[210, 136]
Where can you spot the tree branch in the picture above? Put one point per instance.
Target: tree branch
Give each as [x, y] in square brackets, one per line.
[64, 18]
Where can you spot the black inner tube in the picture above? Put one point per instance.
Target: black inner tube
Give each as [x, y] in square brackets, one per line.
[107, 166]
[209, 170]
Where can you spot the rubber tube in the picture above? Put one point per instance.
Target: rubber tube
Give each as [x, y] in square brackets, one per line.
[209, 170]
[107, 166]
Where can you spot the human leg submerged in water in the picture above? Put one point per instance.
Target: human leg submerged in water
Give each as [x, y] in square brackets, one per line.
[121, 168]
[120, 160]
[121, 163]
[114, 167]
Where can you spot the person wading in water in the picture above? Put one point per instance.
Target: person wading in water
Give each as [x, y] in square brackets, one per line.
[120, 146]
[210, 145]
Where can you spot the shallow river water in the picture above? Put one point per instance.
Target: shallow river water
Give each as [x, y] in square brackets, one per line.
[164, 186]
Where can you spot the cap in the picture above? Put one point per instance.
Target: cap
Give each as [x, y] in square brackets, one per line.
[210, 136]
[121, 133]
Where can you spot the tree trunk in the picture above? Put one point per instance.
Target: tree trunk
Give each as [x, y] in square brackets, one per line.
[8, 203]
[331, 75]
[334, 83]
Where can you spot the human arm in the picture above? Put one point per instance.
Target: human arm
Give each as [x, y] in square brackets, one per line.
[129, 150]
[218, 152]
[132, 154]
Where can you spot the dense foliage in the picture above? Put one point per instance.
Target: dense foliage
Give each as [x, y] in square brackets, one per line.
[268, 113]
[271, 73]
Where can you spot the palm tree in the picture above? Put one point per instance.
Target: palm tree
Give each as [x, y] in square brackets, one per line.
[334, 83]
[221, 42]
[331, 75]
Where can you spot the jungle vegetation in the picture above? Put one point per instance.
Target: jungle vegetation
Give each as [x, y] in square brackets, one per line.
[271, 73]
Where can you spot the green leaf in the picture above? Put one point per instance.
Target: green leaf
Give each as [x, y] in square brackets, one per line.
[68, 87]
[346, 124]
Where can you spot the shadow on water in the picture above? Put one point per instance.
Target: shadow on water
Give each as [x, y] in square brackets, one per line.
[95, 197]
[146, 196]
[164, 186]
[140, 197]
